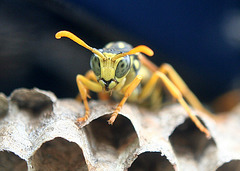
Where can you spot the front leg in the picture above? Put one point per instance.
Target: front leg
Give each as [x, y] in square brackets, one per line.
[128, 92]
[84, 84]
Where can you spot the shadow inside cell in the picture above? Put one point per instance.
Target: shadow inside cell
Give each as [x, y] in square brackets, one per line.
[32, 101]
[59, 154]
[153, 161]
[118, 136]
[233, 165]
[11, 162]
[187, 138]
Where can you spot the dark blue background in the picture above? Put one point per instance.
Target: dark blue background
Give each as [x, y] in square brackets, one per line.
[196, 37]
[201, 39]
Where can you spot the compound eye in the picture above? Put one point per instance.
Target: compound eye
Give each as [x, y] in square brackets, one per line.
[95, 65]
[123, 67]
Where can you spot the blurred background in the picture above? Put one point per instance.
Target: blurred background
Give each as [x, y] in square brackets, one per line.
[200, 39]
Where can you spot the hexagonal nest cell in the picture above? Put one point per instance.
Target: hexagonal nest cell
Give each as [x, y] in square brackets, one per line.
[39, 132]
[59, 154]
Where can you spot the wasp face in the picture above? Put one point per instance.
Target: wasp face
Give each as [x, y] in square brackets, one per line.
[112, 63]
[110, 72]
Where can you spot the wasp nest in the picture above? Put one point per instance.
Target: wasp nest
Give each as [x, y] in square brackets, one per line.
[38, 132]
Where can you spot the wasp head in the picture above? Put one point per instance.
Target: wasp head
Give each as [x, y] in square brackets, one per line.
[110, 65]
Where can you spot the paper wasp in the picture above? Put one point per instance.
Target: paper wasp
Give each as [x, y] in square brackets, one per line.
[126, 73]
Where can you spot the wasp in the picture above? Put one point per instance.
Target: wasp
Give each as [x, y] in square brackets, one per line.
[126, 74]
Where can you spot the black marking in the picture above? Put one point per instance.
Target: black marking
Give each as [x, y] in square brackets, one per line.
[107, 83]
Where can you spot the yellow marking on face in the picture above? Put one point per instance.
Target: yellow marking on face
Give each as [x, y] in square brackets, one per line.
[108, 73]
[108, 67]
[112, 85]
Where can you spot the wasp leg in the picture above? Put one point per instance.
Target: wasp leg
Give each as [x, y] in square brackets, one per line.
[130, 88]
[91, 76]
[84, 84]
[167, 69]
[148, 88]
[101, 95]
